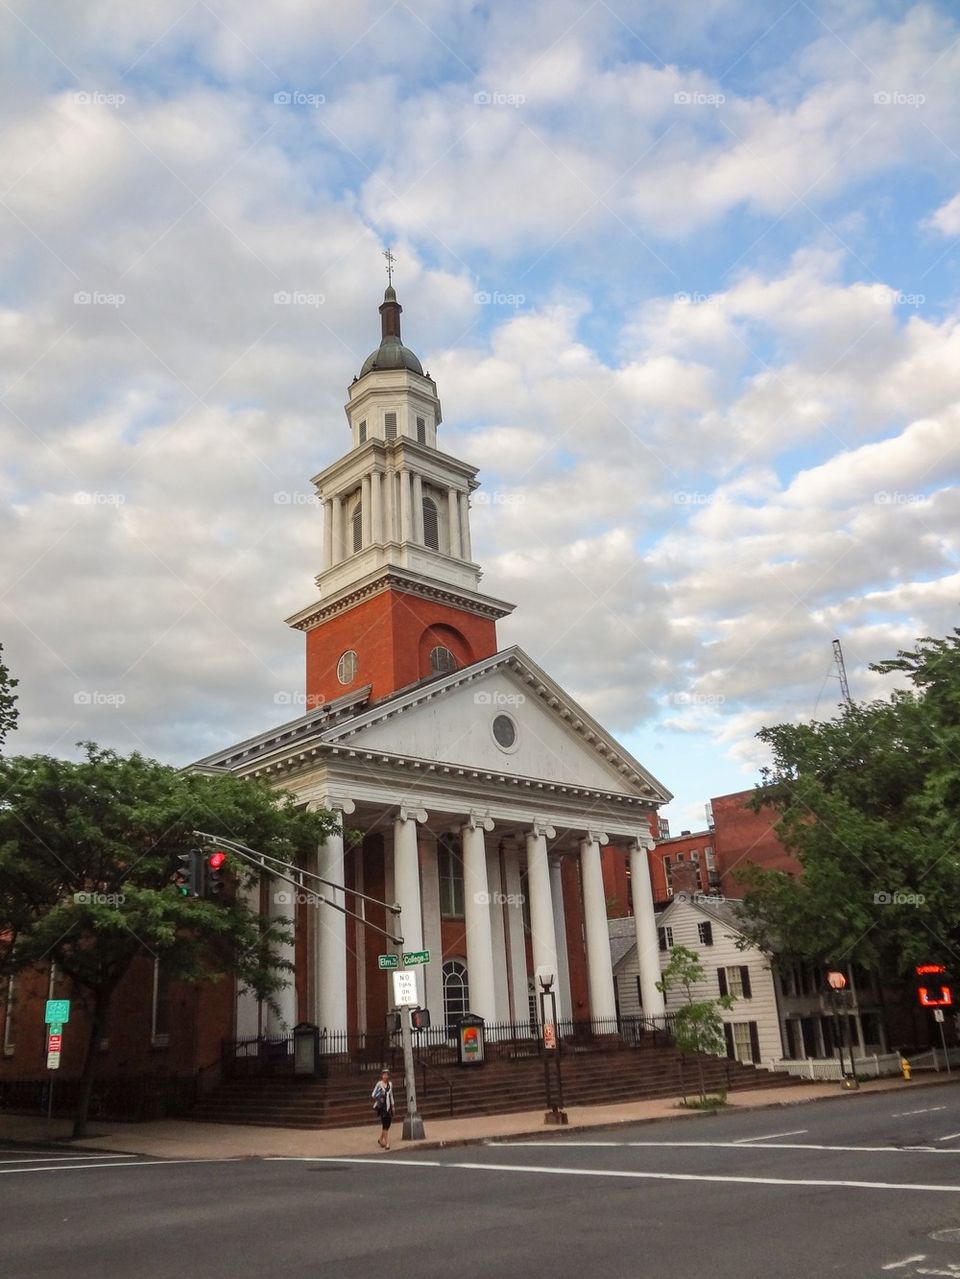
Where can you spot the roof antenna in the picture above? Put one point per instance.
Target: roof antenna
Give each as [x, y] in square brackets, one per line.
[842, 673]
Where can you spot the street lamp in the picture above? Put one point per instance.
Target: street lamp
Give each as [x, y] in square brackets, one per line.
[838, 982]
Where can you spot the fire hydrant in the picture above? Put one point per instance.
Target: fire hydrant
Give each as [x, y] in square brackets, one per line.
[905, 1067]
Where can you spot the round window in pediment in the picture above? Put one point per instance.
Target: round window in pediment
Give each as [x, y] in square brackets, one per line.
[504, 732]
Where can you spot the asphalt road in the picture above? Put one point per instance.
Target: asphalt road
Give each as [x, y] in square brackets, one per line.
[863, 1186]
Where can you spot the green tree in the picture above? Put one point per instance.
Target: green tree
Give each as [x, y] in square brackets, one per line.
[88, 849]
[8, 701]
[697, 1024]
[869, 803]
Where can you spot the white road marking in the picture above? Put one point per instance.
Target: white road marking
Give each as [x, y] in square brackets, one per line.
[734, 1145]
[794, 1132]
[897, 1265]
[373, 1162]
[131, 1163]
[52, 1158]
[926, 1110]
[951, 1136]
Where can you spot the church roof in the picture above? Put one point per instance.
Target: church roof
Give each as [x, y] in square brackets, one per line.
[391, 353]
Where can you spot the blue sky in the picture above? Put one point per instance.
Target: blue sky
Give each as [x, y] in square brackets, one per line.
[718, 376]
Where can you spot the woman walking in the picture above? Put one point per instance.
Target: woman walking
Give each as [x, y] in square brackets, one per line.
[383, 1105]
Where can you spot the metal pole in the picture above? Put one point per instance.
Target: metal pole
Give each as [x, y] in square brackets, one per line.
[846, 1028]
[412, 1123]
[943, 1040]
[839, 1034]
[553, 1000]
[544, 1050]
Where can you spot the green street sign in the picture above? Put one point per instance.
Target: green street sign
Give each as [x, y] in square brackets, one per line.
[55, 1028]
[57, 1010]
[388, 961]
[411, 957]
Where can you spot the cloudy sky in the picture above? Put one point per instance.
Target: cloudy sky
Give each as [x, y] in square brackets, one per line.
[687, 277]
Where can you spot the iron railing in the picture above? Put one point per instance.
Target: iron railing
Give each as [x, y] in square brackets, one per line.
[343, 1052]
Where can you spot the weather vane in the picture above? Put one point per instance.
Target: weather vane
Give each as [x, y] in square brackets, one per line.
[390, 261]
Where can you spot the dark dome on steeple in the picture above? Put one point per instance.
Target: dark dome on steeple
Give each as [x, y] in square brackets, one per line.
[391, 353]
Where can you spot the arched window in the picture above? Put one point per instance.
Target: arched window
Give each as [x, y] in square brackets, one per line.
[347, 667]
[450, 868]
[456, 991]
[431, 524]
[442, 661]
[357, 522]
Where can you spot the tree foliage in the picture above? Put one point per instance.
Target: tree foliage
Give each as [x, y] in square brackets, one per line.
[869, 804]
[88, 849]
[8, 700]
[697, 1024]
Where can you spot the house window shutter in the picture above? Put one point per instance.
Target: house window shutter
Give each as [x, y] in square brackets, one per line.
[662, 937]
[754, 1043]
[745, 982]
[728, 1036]
[722, 979]
[639, 993]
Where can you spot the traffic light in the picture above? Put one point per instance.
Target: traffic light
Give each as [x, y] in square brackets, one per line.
[933, 986]
[420, 1019]
[188, 877]
[216, 873]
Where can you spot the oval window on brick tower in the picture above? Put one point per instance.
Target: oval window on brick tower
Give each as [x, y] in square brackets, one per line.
[347, 667]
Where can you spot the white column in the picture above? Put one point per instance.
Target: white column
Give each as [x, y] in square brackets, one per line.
[406, 515]
[417, 509]
[328, 533]
[365, 511]
[465, 526]
[476, 918]
[248, 1005]
[376, 508]
[645, 921]
[453, 521]
[542, 933]
[406, 876]
[603, 1004]
[336, 528]
[498, 909]
[564, 1000]
[518, 1005]
[432, 973]
[283, 905]
[330, 956]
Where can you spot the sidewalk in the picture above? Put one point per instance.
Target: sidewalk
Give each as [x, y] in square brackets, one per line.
[182, 1139]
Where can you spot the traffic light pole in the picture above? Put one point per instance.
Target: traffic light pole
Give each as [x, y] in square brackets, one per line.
[412, 1123]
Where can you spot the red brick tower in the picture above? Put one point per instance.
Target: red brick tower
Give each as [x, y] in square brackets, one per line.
[399, 598]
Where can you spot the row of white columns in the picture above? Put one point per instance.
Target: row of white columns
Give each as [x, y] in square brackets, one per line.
[391, 509]
[547, 922]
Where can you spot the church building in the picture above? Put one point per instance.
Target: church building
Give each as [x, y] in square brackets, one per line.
[473, 790]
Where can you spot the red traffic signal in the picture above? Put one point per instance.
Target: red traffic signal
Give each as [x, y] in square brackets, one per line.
[933, 986]
[216, 860]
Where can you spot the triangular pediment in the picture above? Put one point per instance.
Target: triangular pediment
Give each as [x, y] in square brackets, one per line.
[454, 720]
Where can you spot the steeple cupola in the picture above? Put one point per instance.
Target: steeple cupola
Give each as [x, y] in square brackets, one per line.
[399, 588]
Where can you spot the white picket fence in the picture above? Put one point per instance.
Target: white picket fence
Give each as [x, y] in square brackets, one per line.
[871, 1064]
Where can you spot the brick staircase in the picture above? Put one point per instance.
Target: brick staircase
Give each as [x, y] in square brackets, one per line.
[499, 1086]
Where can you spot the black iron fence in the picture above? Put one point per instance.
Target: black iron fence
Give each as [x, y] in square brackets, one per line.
[137, 1099]
[368, 1052]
